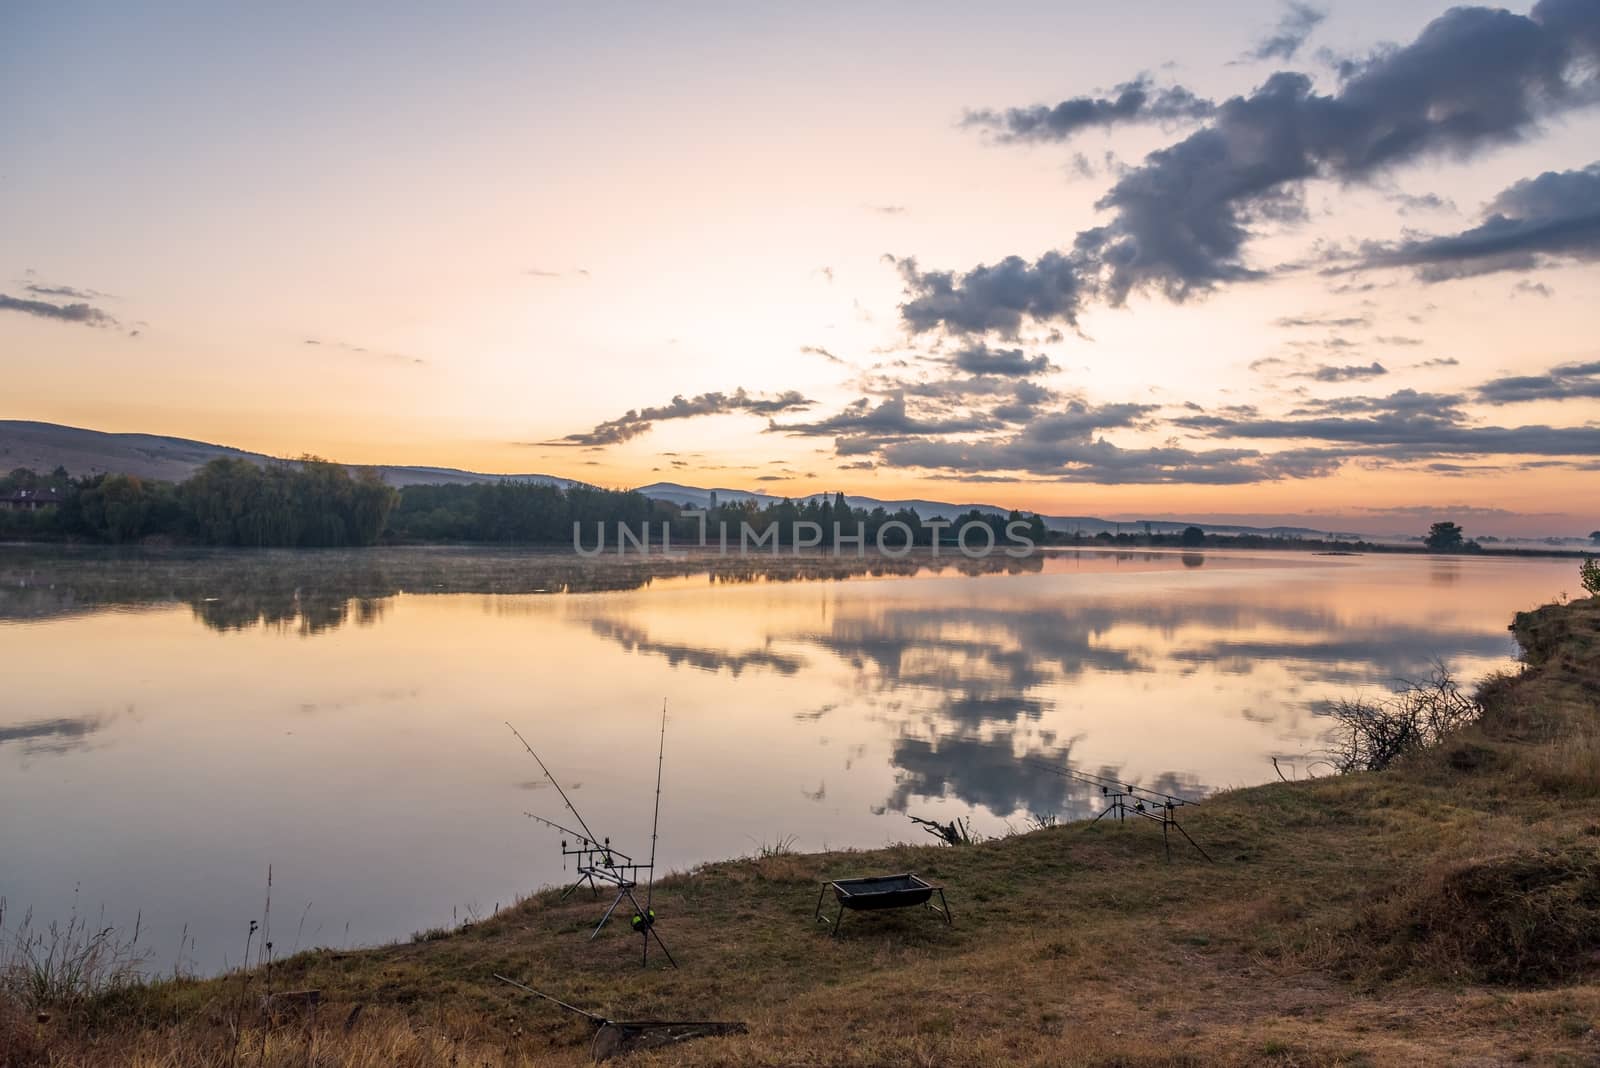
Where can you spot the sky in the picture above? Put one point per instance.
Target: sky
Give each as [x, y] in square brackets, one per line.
[1243, 261]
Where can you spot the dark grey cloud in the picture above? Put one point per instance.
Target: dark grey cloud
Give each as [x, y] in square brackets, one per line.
[1005, 399]
[980, 359]
[1135, 101]
[1551, 218]
[1406, 425]
[639, 420]
[70, 292]
[1474, 78]
[1291, 32]
[1441, 361]
[1567, 382]
[993, 297]
[891, 418]
[1328, 372]
[83, 313]
[1066, 445]
[1328, 321]
[1098, 461]
[1410, 202]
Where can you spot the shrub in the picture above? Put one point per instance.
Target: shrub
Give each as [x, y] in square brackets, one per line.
[1589, 575]
[1371, 735]
[1520, 918]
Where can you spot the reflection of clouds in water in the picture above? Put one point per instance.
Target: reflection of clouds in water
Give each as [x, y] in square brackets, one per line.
[960, 669]
[985, 772]
[51, 737]
[1379, 653]
[991, 773]
[637, 640]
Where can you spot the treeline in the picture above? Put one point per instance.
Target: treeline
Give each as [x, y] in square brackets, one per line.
[312, 502]
[300, 504]
[524, 512]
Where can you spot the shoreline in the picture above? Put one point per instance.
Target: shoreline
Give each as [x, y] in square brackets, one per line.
[1441, 912]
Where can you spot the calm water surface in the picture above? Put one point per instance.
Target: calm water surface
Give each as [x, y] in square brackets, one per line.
[169, 726]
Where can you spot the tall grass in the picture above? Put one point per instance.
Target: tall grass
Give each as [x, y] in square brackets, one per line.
[64, 964]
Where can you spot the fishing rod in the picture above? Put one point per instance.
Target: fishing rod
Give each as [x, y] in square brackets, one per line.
[553, 825]
[646, 920]
[1104, 783]
[564, 798]
[597, 861]
[1157, 806]
[596, 1017]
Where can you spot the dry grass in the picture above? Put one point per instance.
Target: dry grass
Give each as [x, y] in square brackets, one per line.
[1442, 912]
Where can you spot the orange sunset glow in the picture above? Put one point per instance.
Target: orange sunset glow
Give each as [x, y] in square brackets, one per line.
[1069, 302]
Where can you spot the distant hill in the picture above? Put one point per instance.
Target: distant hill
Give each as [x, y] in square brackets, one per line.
[46, 446]
[695, 497]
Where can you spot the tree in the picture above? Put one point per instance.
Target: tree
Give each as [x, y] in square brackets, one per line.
[1589, 575]
[1193, 536]
[1445, 538]
[115, 507]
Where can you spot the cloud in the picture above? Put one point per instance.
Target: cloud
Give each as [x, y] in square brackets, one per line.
[886, 209]
[980, 359]
[1534, 289]
[1441, 361]
[1135, 101]
[638, 421]
[889, 418]
[1409, 202]
[818, 350]
[1474, 78]
[538, 272]
[360, 350]
[1330, 321]
[1406, 425]
[1291, 32]
[1567, 382]
[1553, 217]
[993, 298]
[71, 292]
[86, 314]
[1346, 373]
[1063, 444]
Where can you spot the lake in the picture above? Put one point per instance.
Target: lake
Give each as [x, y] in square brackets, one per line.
[173, 723]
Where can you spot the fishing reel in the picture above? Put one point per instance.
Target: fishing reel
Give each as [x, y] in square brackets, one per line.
[643, 923]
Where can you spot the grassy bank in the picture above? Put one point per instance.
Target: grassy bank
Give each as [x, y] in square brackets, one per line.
[1446, 911]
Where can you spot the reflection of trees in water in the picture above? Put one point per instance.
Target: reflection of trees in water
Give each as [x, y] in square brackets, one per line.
[321, 590]
[309, 611]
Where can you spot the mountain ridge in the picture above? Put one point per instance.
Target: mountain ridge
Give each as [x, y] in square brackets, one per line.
[43, 446]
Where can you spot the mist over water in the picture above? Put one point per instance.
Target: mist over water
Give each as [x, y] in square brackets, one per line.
[173, 723]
